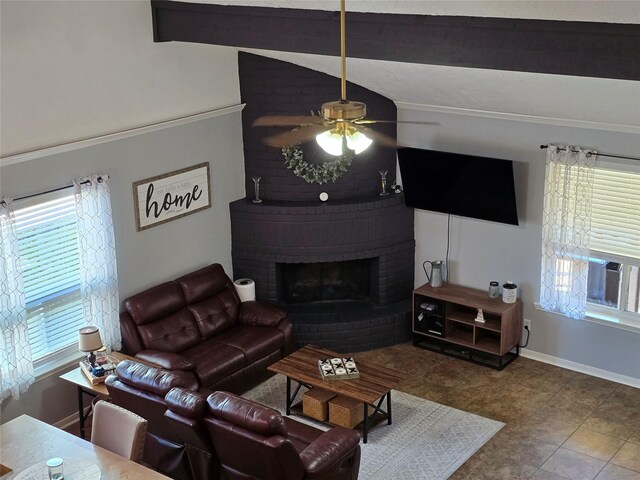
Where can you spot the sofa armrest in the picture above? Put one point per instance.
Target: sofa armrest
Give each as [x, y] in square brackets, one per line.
[131, 341]
[334, 454]
[166, 360]
[261, 314]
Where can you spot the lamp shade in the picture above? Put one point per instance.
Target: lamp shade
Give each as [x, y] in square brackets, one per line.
[358, 141]
[89, 340]
[331, 142]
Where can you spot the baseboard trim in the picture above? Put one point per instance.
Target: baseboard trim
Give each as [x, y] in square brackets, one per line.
[69, 420]
[579, 367]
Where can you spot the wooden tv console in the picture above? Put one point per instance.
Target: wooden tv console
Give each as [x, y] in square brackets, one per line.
[444, 321]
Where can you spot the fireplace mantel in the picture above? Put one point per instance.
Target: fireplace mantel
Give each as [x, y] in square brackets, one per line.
[303, 232]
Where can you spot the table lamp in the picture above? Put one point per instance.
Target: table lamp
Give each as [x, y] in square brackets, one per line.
[90, 341]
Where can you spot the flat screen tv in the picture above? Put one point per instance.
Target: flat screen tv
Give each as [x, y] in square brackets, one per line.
[465, 185]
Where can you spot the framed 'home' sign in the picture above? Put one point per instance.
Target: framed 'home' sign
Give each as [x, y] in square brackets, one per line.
[172, 195]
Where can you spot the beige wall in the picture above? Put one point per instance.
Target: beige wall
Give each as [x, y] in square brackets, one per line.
[77, 69]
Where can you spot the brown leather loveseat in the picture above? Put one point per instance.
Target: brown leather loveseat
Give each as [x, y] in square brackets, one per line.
[196, 324]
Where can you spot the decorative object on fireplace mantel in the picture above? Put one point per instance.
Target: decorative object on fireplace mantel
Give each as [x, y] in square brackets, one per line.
[324, 173]
[383, 181]
[256, 187]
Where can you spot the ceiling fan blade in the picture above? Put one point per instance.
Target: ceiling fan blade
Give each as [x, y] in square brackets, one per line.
[379, 138]
[294, 137]
[287, 121]
[367, 121]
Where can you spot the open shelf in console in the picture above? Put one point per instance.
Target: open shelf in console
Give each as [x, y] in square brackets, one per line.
[490, 343]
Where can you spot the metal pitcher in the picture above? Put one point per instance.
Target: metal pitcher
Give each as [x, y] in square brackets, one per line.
[435, 277]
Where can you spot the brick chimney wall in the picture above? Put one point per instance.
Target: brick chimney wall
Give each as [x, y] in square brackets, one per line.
[292, 225]
[273, 87]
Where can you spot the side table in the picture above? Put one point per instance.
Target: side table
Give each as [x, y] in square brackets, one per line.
[85, 387]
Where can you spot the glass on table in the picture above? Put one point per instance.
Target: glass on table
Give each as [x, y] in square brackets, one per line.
[56, 468]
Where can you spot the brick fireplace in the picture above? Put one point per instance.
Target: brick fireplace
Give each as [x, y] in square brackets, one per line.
[342, 269]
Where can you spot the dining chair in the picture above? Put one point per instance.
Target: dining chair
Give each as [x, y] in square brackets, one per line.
[118, 430]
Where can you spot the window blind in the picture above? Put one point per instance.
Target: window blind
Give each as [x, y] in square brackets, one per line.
[48, 246]
[615, 217]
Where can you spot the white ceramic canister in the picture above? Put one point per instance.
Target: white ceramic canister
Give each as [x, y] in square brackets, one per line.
[509, 292]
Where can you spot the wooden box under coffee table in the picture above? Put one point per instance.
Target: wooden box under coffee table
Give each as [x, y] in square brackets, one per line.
[371, 389]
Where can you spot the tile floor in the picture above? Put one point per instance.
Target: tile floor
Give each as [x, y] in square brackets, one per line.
[560, 424]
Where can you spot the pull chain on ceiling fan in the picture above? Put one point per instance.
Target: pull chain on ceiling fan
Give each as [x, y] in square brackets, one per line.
[341, 124]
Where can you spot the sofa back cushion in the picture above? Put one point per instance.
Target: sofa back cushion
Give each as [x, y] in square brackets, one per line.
[247, 414]
[212, 299]
[164, 323]
[154, 380]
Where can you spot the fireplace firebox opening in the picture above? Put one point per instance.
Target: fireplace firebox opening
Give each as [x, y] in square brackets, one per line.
[323, 282]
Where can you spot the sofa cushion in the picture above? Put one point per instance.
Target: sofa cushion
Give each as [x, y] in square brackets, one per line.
[151, 379]
[215, 361]
[155, 302]
[204, 283]
[215, 314]
[254, 342]
[262, 314]
[172, 333]
[166, 360]
[246, 414]
[300, 434]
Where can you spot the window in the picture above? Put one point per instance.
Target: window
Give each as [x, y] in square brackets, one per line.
[591, 238]
[614, 242]
[48, 246]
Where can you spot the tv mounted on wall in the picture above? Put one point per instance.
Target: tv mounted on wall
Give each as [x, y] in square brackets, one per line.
[465, 185]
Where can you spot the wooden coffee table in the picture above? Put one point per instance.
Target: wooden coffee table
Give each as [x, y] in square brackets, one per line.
[371, 389]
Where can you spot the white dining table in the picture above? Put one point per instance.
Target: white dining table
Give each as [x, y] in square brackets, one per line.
[27, 443]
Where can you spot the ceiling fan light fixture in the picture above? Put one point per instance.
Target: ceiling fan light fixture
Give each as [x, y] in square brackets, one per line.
[358, 142]
[330, 141]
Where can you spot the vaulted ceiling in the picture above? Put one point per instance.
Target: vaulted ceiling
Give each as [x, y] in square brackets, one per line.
[563, 60]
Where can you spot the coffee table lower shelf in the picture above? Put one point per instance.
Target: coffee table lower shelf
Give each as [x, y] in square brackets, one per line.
[374, 420]
[369, 421]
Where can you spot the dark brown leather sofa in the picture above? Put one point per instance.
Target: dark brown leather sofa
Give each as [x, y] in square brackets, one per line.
[252, 441]
[197, 324]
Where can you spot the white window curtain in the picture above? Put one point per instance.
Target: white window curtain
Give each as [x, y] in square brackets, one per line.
[16, 365]
[98, 269]
[566, 225]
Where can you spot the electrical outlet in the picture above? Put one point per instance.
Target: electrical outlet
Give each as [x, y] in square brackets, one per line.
[527, 324]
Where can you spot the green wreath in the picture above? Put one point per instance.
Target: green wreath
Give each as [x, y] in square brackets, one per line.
[324, 173]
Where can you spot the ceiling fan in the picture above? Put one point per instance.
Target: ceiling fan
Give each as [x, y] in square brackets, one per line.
[341, 123]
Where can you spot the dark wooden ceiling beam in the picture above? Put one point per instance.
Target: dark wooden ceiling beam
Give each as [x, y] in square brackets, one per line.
[590, 49]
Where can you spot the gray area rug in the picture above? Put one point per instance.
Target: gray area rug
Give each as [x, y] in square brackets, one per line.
[426, 440]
